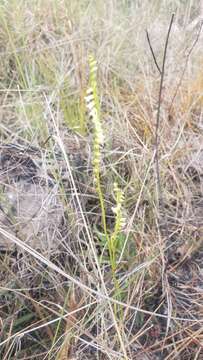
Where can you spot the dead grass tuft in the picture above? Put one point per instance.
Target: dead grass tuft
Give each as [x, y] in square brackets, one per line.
[59, 298]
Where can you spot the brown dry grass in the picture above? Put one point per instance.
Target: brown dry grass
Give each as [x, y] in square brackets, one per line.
[58, 298]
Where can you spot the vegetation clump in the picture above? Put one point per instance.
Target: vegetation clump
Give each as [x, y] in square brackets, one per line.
[101, 167]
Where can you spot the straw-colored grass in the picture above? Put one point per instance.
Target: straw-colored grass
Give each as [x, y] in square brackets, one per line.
[93, 264]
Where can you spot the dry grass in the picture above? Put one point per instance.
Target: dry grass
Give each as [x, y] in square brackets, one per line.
[59, 298]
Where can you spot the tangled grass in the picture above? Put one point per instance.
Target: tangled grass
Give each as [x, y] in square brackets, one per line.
[92, 265]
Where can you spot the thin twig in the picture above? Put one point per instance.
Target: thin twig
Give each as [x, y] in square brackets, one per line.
[160, 197]
[161, 207]
[152, 51]
[185, 66]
